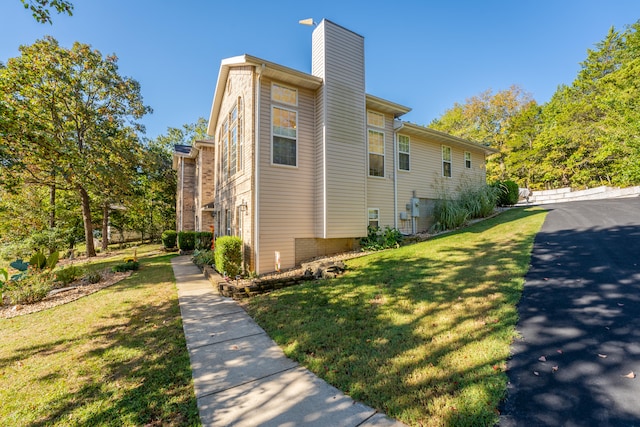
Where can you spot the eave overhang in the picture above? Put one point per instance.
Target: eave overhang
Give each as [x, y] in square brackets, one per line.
[264, 68]
[444, 138]
[384, 106]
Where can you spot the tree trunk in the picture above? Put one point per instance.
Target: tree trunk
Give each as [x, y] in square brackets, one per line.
[105, 226]
[52, 206]
[86, 218]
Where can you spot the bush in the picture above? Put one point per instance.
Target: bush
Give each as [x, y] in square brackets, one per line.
[508, 192]
[203, 240]
[169, 238]
[68, 274]
[125, 266]
[93, 277]
[203, 257]
[228, 255]
[449, 214]
[480, 202]
[377, 239]
[39, 261]
[187, 240]
[31, 288]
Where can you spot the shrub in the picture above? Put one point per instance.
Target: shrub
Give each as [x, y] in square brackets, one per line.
[4, 280]
[203, 257]
[203, 240]
[380, 239]
[449, 214]
[169, 238]
[39, 261]
[228, 255]
[93, 277]
[125, 266]
[508, 192]
[31, 288]
[68, 274]
[480, 202]
[186, 240]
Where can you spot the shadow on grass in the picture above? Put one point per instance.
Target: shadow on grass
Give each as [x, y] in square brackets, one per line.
[133, 366]
[418, 333]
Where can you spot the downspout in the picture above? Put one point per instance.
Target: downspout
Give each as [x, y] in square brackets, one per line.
[256, 173]
[395, 180]
[397, 126]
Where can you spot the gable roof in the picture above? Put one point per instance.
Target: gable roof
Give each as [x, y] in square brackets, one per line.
[444, 138]
[285, 75]
[267, 69]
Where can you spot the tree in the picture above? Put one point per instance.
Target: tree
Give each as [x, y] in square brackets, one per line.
[487, 118]
[152, 208]
[68, 121]
[40, 9]
[590, 129]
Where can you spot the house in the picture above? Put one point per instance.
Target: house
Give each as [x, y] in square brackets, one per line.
[298, 164]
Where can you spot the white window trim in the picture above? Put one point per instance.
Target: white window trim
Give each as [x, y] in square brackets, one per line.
[228, 222]
[240, 132]
[286, 87]
[408, 153]
[468, 153]
[450, 161]
[296, 138]
[384, 153]
[377, 210]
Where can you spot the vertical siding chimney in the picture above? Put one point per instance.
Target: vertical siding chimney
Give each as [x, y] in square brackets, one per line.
[338, 58]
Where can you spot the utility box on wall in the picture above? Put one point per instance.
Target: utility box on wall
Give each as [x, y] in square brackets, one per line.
[415, 207]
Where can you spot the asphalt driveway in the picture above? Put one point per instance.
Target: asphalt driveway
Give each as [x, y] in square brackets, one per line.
[577, 362]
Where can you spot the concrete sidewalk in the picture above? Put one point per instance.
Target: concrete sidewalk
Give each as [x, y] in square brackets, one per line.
[242, 378]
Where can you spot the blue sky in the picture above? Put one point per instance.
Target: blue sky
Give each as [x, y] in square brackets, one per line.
[424, 54]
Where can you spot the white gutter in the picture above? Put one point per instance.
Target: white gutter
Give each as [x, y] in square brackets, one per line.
[395, 180]
[397, 126]
[256, 174]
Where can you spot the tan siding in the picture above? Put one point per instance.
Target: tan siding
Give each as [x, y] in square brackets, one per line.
[317, 69]
[287, 194]
[425, 179]
[343, 66]
[380, 189]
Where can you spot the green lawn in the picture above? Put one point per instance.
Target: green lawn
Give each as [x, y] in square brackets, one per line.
[421, 332]
[117, 357]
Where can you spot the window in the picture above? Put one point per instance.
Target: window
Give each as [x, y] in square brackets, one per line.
[231, 141]
[225, 149]
[284, 94]
[285, 133]
[375, 119]
[227, 219]
[403, 152]
[240, 134]
[376, 153]
[374, 217]
[446, 161]
[467, 160]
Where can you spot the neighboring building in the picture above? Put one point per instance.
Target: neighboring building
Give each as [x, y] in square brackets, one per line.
[300, 164]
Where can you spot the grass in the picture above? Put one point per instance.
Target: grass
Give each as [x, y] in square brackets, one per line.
[116, 357]
[421, 332]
